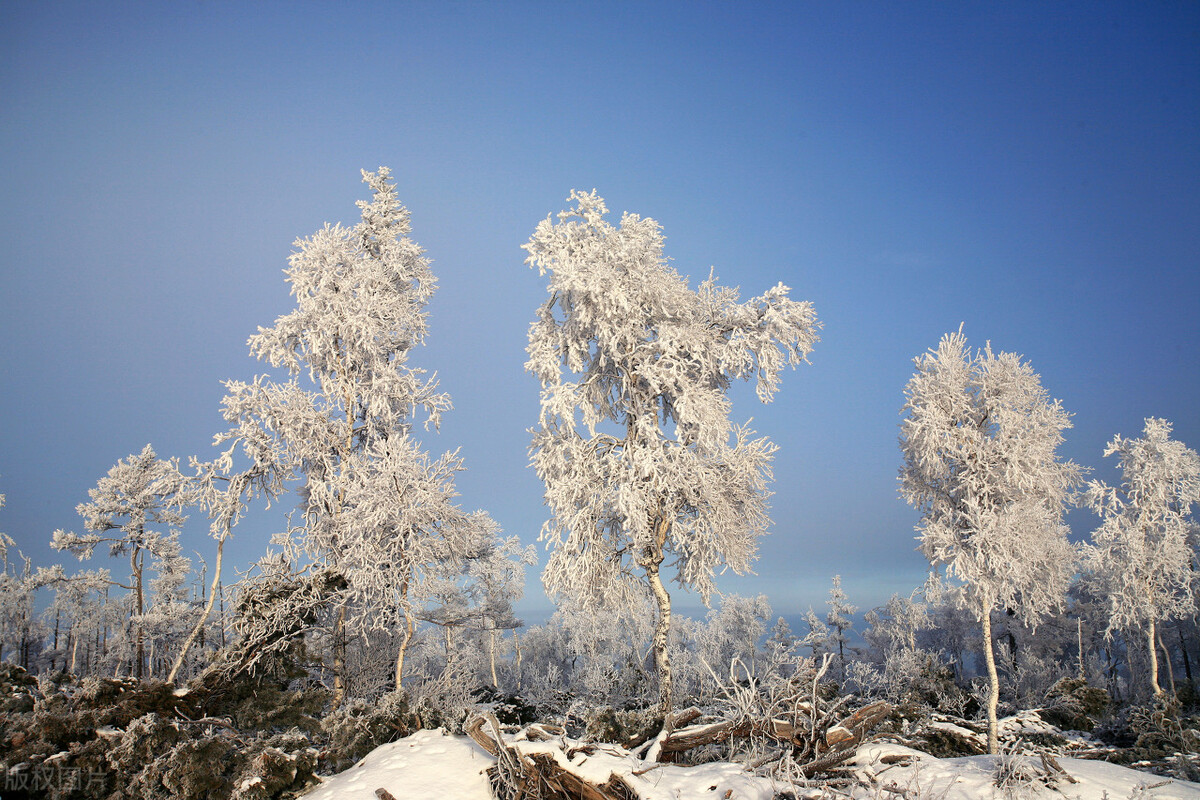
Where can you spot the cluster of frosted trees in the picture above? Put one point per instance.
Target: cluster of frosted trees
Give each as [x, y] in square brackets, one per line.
[378, 579]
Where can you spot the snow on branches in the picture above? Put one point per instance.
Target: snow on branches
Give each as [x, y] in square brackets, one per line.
[1142, 555]
[634, 442]
[979, 441]
[377, 509]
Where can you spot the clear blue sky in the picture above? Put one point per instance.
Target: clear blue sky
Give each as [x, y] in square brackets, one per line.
[1030, 170]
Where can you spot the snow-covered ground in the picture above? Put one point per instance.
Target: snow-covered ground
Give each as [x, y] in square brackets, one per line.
[434, 765]
[924, 776]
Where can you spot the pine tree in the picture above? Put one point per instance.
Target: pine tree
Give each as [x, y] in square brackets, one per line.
[1142, 556]
[634, 442]
[980, 464]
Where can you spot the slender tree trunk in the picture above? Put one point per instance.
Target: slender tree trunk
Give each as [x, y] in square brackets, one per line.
[1079, 639]
[102, 643]
[339, 657]
[1152, 640]
[136, 561]
[1187, 662]
[404, 643]
[221, 610]
[54, 660]
[1167, 660]
[74, 648]
[208, 607]
[492, 653]
[841, 657]
[662, 627]
[339, 630]
[993, 700]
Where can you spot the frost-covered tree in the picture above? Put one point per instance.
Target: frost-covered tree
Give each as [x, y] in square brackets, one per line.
[728, 638]
[895, 625]
[1142, 558]
[17, 587]
[224, 491]
[376, 508]
[5, 540]
[78, 606]
[839, 619]
[818, 639]
[134, 510]
[634, 443]
[979, 441]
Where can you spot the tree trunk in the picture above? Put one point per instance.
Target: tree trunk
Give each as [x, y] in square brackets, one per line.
[1167, 660]
[492, 653]
[339, 657]
[1187, 662]
[54, 660]
[1079, 639]
[208, 607]
[993, 701]
[1152, 639]
[662, 627]
[221, 611]
[136, 562]
[404, 643]
[841, 657]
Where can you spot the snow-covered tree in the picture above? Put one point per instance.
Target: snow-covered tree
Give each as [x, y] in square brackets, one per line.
[134, 510]
[839, 619]
[224, 492]
[818, 638]
[634, 442]
[78, 607]
[5, 540]
[1141, 556]
[728, 637]
[17, 587]
[980, 464]
[377, 509]
[895, 625]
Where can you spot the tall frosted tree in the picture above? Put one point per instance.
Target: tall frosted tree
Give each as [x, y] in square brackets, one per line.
[980, 441]
[1141, 556]
[634, 443]
[376, 508]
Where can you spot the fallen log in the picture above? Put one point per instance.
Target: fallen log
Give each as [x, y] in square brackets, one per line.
[518, 775]
[817, 745]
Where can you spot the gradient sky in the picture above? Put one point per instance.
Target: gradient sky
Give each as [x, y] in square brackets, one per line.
[1032, 171]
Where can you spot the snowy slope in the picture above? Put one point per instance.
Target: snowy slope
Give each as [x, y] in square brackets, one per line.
[972, 777]
[428, 764]
[432, 765]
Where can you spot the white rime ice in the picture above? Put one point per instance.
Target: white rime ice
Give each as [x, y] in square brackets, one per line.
[1141, 557]
[979, 441]
[135, 510]
[378, 510]
[634, 442]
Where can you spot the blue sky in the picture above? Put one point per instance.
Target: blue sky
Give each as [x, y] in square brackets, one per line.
[1030, 170]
